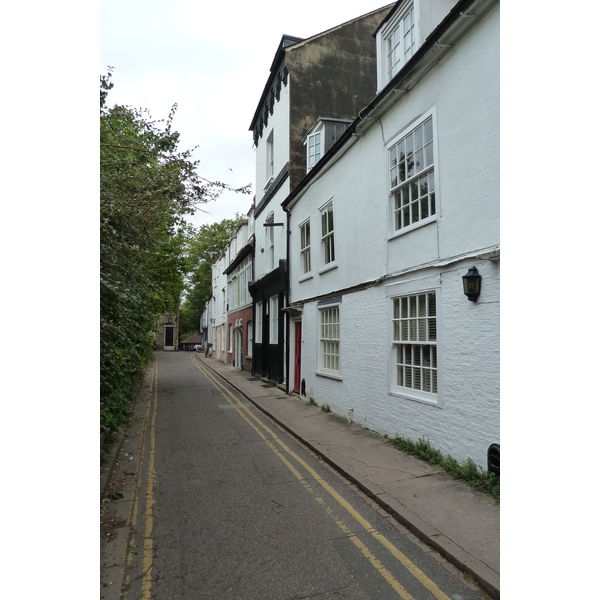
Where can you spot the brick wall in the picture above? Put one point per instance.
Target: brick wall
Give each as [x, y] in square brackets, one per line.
[245, 315]
[466, 419]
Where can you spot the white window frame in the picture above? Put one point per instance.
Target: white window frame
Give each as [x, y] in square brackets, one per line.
[305, 258]
[259, 322]
[250, 339]
[400, 40]
[270, 162]
[329, 338]
[421, 332]
[413, 201]
[327, 237]
[274, 320]
[314, 149]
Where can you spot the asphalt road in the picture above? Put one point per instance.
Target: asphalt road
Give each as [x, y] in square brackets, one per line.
[219, 502]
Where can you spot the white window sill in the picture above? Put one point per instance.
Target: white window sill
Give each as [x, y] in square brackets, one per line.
[412, 227]
[268, 184]
[433, 401]
[329, 375]
[305, 277]
[328, 267]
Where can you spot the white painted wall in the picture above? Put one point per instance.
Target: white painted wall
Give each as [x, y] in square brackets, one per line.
[220, 315]
[463, 90]
[278, 124]
[467, 420]
[467, 170]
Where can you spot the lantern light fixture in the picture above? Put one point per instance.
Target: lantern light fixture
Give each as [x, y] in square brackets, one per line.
[472, 284]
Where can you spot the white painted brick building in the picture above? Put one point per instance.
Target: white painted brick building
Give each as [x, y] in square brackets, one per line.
[386, 224]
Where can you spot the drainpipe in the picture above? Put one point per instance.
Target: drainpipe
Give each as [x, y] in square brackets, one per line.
[287, 292]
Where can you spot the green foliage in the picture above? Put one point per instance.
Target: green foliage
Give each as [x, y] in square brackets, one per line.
[467, 471]
[204, 246]
[147, 187]
[311, 402]
[326, 407]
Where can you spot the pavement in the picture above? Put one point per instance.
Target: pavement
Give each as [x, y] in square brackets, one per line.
[460, 523]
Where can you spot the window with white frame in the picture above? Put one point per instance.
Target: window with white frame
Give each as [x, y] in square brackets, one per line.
[313, 153]
[238, 293]
[270, 158]
[274, 320]
[250, 339]
[327, 239]
[414, 344]
[400, 39]
[305, 267]
[329, 340]
[412, 176]
[259, 323]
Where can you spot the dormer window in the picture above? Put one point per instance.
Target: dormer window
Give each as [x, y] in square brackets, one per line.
[398, 39]
[321, 137]
[313, 144]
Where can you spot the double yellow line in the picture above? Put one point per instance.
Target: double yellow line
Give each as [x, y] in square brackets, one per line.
[257, 425]
[149, 422]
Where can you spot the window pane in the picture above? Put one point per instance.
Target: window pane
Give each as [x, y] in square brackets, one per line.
[431, 304]
[419, 137]
[428, 125]
[415, 212]
[409, 144]
[429, 154]
[419, 160]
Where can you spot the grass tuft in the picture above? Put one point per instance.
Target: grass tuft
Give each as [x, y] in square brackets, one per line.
[467, 471]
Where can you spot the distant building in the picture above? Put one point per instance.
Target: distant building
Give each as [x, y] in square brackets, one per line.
[239, 274]
[167, 332]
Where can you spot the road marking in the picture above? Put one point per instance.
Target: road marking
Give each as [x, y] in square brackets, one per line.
[133, 509]
[403, 559]
[147, 562]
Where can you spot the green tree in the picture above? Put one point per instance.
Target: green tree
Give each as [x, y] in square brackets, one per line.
[147, 187]
[204, 247]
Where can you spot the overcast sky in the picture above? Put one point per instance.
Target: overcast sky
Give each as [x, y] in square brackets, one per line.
[214, 64]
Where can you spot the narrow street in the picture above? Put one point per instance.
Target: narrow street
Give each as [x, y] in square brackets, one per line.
[211, 499]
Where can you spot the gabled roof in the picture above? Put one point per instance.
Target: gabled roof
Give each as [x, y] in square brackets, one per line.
[289, 40]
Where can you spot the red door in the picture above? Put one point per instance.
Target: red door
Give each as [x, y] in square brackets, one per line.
[298, 355]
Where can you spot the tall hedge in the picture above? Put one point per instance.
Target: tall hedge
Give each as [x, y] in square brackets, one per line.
[147, 187]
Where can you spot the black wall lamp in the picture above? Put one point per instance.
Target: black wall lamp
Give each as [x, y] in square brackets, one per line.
[472, 284]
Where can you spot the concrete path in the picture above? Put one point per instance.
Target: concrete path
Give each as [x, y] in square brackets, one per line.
[463, 525]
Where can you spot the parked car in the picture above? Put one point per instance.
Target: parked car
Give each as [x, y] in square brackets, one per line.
[197, 347]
